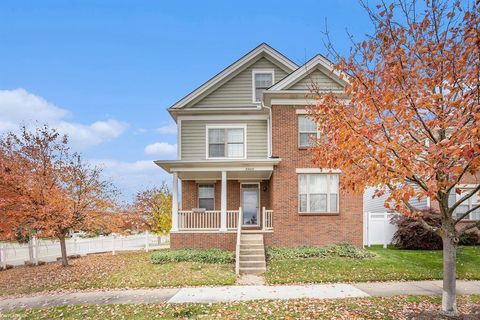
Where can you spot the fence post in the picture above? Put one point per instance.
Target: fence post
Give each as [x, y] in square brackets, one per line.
[35, 249]
[385, 233]
[3, 257]
[146, 242]
[113, 244]
[367, 228]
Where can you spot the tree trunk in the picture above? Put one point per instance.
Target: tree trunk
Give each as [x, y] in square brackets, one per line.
[63, 248]
[449, 296]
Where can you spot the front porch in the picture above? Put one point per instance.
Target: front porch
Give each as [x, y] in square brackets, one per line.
[218, 194]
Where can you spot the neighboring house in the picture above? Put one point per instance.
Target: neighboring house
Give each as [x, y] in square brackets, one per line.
[242, 143]
[468, 183]
[377, 227]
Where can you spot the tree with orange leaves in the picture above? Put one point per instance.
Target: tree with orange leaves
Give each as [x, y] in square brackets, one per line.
[49, 190]
[410, 121]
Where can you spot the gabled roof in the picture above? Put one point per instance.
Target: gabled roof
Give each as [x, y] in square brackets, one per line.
[234, 68]
[317, 62]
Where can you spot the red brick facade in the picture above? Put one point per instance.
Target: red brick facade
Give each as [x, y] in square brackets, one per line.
[290, 227]
[280, 193]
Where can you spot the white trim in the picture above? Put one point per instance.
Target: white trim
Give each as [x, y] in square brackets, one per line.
[198, 193]
[316, 170]
[258, 202]
[261, 71]
[294, 102]
[308, 175]
[311, 65]
[213, 169]
[226, 126]
[317, 132]
[174, 202]
[301, 111]
[269, 137]
[179, 139]
[217, 79]
[225, 117]
[223, 202]
[466, 185]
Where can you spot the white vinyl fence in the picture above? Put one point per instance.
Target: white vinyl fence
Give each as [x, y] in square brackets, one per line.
[13, 253]
[378, 228]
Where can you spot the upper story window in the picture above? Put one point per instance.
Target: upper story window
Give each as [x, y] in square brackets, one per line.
[307, 131]
[318, 193]
[262, 80]
[206, 196]
[471, 203]
[226, 142]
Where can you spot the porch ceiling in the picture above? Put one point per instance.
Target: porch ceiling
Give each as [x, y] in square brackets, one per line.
[257, 169]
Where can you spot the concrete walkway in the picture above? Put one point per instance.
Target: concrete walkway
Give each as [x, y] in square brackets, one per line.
[236, 293]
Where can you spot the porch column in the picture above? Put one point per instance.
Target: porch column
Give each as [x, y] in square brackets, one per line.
[175, 202]
[223, 204]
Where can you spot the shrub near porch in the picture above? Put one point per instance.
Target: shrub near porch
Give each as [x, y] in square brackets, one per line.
[387, 265]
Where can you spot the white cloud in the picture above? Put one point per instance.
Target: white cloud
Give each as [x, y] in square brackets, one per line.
[131, 177]
[168, 129]
[19, 106]
[161, 149]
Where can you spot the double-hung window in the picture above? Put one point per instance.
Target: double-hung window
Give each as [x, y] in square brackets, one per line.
[307, 131]
[318, 193]
[468, 204]
[262, 80]
[206, 196]
[226, 142]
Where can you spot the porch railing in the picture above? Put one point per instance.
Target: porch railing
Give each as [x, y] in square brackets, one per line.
[194, 220]
[211, 220]
[267, 219]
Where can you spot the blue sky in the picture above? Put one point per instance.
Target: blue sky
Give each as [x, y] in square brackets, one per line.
[105, 71]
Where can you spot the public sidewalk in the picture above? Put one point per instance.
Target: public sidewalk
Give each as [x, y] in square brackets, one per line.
[236, 293]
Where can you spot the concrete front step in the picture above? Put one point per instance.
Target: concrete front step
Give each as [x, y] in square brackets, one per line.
[252, 246]
[251, 236]
[252, 270]
[252, 254]
[252, 264]
[251, 241]
[252, 257]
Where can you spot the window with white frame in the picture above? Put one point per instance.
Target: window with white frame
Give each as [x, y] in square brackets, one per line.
[262, 80]
[469, 204]
[226, 142]
[318, 193]
[206, 196]
[307, 131]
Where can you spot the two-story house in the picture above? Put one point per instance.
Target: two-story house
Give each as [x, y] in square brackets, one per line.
[243, 140]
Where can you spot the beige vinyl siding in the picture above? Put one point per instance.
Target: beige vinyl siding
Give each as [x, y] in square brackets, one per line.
[194, 138]
[238, 90]
[317, 77]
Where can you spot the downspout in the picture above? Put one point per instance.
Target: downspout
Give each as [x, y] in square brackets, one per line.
[269, 129]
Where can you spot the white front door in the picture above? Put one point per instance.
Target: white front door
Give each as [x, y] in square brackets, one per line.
[250, 204]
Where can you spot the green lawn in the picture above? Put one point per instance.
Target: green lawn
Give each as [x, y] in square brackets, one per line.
[353, 308]
[389, 264]
[124, 270]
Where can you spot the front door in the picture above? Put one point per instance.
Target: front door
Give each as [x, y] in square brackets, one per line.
[249, 198]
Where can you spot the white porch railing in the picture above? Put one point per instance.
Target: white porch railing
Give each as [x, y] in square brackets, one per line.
[232, 219]
[267, 219]
[195, 220]
[191, 220]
